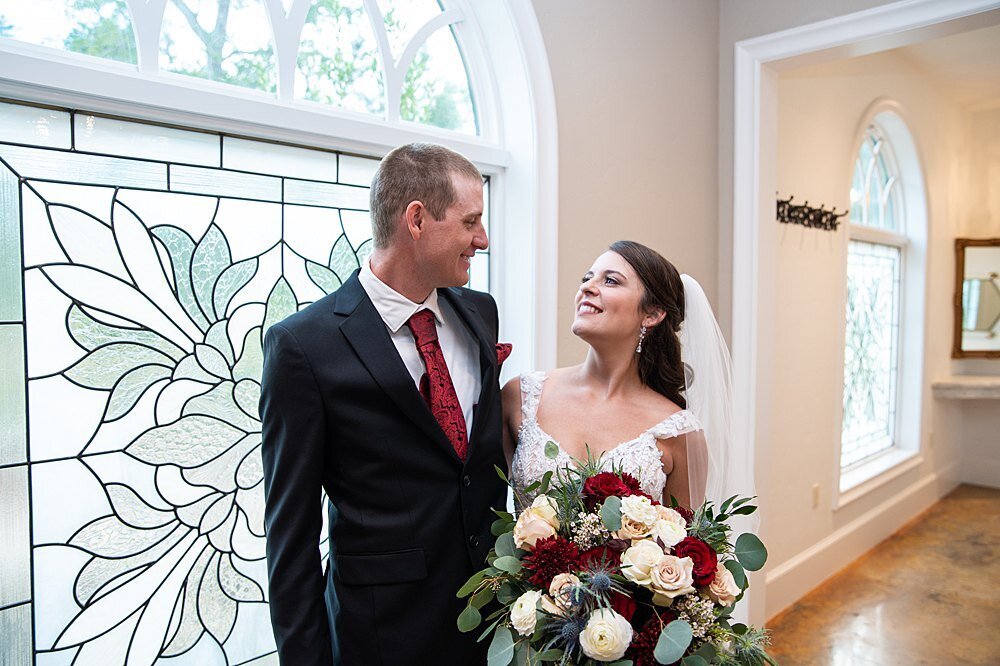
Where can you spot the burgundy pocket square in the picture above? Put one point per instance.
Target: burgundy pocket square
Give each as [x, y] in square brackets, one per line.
[503, 351]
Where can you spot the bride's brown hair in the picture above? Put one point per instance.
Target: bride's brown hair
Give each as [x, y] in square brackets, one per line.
[660, 364]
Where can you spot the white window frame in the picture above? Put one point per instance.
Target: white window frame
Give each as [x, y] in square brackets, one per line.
[905, 454]
[517, 146]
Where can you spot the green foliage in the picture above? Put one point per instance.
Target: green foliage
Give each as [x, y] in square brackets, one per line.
[748, 647]
[673, 642]
[103, 29]
[5, 27]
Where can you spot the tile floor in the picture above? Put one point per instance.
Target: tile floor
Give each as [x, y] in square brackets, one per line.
[929, 594]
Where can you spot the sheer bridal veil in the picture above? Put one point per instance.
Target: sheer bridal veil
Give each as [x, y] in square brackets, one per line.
[723, 466]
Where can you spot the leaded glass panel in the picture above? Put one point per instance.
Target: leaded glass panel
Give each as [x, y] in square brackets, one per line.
[875, 189]
[871, 350]
[140, 357]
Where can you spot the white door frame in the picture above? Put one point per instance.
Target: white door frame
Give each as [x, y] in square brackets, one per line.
[757, 62]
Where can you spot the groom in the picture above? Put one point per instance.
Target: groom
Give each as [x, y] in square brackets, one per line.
[385, 394]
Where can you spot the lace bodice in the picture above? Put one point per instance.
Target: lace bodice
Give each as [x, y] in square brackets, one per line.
[639, 457]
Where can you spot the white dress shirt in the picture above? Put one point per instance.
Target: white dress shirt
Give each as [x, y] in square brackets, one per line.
[460, 348]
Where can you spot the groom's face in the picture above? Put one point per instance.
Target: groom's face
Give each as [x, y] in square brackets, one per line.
[447, 245]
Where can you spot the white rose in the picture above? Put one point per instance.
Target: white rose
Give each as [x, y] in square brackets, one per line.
[640, 509]
[545, 508]
[671, 516]
[671, 577]
[632, 530]
[669, 533]
[522, 613]
[606, 636]
[723, 589]
[529, 529]
[561, 589]
[639, 560]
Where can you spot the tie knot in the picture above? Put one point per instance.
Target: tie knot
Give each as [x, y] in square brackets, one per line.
[423, 327]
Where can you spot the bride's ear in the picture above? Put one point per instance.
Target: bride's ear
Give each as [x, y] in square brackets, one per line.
[653, 318]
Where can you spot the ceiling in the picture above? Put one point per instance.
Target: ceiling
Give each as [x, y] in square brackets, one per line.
[967, 65]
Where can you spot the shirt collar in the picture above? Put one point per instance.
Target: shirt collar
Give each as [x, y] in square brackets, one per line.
[394, 308]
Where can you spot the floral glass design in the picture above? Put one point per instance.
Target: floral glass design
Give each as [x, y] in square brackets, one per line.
[147, 286]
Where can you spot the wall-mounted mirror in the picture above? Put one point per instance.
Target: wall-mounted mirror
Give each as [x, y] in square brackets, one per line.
[977, 298]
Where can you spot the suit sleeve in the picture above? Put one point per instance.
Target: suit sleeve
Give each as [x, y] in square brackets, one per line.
[293, 440]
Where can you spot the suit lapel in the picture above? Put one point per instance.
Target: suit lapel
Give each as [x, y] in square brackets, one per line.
[368, 336]
[487, 355]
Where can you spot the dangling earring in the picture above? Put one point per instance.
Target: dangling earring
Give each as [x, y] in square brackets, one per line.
[642, 336]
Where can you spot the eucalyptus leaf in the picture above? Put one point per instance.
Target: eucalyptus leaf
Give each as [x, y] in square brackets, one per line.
[501, 650]
[505, 545]
[552, 654]
[693, 660]
[673, 642]
[508, 563]
[551, 450]
[482, 597]
[739, 575]
[611, 513]
[507, 594]
[499, 526]
[469, 619]
[707, 652]
[750, 552]
[471, 584]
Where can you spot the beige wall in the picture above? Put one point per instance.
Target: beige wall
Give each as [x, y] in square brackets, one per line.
[635, 88]
[819, 115]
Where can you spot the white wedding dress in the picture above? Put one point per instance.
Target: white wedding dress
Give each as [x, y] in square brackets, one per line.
[639, 457]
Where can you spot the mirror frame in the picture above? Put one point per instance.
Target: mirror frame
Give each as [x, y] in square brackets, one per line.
[960, 245]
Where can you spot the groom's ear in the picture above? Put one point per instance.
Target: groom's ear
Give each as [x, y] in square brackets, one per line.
[414, 218]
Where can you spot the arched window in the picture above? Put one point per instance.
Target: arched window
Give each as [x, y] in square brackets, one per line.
[886, 233]
[175, 176]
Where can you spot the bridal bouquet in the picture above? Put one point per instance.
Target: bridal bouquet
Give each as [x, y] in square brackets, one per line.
[596, 571]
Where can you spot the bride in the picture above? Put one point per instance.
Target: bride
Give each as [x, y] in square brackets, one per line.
[652, 395]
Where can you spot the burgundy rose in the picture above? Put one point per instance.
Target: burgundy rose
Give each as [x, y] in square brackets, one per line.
[601, 486]
[704, 558]
[609, 555]
[623, 604]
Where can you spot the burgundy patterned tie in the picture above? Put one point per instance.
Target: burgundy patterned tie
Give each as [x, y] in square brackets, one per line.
[436, 385]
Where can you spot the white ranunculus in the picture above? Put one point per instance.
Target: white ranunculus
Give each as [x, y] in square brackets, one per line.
[723, 589]
[639, 560]
[606, 636]
[522, 613]
[669, 533]
[671, 516]
[640, 509]
[671, 577]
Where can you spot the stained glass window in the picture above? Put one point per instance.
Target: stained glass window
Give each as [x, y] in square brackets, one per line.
[874, 287]
[131, 480]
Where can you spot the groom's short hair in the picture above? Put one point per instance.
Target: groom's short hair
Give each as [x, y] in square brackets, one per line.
[414, 172]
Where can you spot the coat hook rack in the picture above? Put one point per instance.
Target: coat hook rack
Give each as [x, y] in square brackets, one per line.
[808, 216]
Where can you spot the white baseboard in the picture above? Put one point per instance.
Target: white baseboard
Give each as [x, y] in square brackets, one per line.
[791, 580]
[982, 473]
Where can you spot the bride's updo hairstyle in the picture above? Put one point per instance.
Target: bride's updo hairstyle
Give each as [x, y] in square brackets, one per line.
[660, 364]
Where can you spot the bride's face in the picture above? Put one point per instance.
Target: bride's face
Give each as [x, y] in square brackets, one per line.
[607, 302]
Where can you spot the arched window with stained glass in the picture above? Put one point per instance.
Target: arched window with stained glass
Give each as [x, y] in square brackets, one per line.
[879, 283]
[175, 176]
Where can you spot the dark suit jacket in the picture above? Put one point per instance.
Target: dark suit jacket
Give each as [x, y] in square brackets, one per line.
[409, 521]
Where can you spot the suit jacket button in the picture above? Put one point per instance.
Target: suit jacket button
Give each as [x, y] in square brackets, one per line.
[466, 481]
[474, 541]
